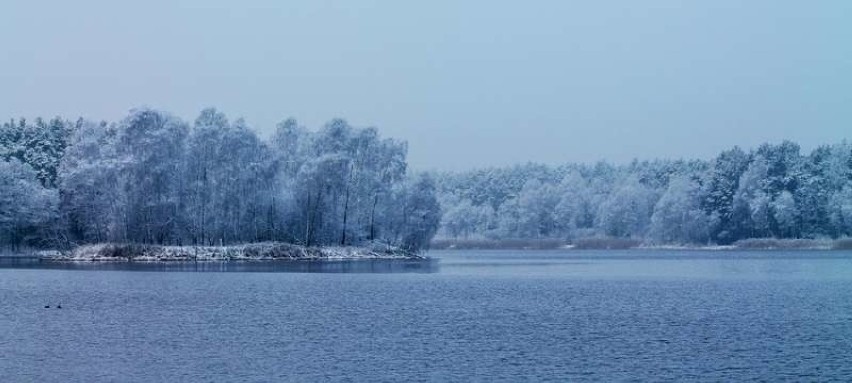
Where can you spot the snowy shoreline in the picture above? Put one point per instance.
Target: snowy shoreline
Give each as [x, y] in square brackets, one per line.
[266, 251]
[607, 244]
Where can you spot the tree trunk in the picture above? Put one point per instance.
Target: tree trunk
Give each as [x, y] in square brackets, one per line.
[373, 218]
[345, 216]
[308, 222]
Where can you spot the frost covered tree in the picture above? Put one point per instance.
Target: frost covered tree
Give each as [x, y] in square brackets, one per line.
[786, 215]
[341, 179]
[153, 178]
[627, 212]
[27, 209]
[575, 209]
[150, 147]
[750, 202]
[536, 205]
[240, 196]
[463, 219]
[786, 194]
[718, 195]
[678, 217]
[13, 138]
[782, 167]
[91, 197]
[823, 175]
[760, 215]
[420, 213]
[40, 145]
[203, 178]
[841, 210]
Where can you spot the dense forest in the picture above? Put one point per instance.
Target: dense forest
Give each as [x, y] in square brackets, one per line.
[153, 178]
[774, 191]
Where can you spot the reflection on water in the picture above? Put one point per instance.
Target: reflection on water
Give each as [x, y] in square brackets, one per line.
[281, 266]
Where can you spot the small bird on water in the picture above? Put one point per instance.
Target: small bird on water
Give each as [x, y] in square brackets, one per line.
[47, 306]
[59, 306]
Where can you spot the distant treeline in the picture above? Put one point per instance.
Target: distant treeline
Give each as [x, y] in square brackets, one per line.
[774, 191]
[153, 178]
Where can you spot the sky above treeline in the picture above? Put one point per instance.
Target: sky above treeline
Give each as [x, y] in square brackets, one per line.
[467, 83]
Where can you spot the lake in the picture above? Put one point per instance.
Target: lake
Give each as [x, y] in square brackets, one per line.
[469, 316]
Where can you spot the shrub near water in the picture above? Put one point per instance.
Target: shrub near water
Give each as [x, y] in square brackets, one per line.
[597, 243]
[497, 244]
[606, 243]
[842, 244]
[775, 243]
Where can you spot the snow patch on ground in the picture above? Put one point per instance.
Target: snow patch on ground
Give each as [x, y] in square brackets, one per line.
[246, 252]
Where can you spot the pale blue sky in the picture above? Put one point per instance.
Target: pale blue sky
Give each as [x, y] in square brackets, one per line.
[467, 83]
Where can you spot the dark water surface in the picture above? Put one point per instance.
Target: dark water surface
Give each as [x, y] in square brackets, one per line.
[472, 316]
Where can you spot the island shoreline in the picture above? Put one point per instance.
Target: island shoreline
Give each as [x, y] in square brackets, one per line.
[264, 251]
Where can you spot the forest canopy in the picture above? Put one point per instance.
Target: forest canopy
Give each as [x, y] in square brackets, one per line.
[774, 191]
[154, 178]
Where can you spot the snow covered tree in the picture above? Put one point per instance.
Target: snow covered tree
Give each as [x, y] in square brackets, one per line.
[823, 174]
[627, 212]
[13, 136]
[150, 145]
[421, 213]
[151, 178]
[26, 207]
[748, 203]
[203, 178]
[782, 167]
[463, 219]
[678, 217]
[575, 207]
[760, 214]
[91, 196]
[841, 210]
[536, 204]
[340, 178]
[40, 145]
[786, 215]
[719, 191]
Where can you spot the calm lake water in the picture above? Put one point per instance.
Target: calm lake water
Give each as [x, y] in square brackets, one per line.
[471, 316]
